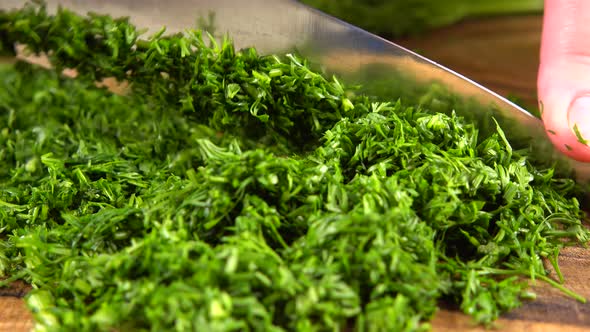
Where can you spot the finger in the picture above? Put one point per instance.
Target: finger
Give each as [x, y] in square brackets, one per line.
[564, 76]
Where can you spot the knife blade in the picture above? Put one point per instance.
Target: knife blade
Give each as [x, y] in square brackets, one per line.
[381, 67]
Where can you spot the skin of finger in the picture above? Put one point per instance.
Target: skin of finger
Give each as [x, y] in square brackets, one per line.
[564, 71]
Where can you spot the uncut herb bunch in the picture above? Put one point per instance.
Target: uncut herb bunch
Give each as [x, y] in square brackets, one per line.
[230, 191]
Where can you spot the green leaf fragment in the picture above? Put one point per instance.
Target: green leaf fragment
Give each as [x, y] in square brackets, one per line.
[579, 135]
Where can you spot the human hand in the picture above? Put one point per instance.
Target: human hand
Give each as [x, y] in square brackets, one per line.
[564, 76]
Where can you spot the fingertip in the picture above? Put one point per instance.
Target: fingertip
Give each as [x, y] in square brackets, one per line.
[568, 130]
[564, 76]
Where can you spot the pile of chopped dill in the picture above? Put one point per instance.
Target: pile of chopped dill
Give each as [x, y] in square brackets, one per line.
[231, 191]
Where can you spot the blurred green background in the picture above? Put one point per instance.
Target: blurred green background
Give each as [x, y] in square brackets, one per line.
[402, 18]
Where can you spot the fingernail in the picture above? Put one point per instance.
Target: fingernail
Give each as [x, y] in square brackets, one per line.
[579, 118]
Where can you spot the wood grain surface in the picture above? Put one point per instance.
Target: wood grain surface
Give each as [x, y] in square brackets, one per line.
[501, 54]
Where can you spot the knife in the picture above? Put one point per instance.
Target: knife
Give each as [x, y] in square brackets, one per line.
[381, 67]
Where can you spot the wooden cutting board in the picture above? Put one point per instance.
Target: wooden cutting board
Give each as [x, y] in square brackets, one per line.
[501, 54]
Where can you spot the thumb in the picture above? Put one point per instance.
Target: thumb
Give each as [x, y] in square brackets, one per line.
[564, 76]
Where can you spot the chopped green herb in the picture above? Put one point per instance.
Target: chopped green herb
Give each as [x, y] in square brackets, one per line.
[231, 191]
[579, 136]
